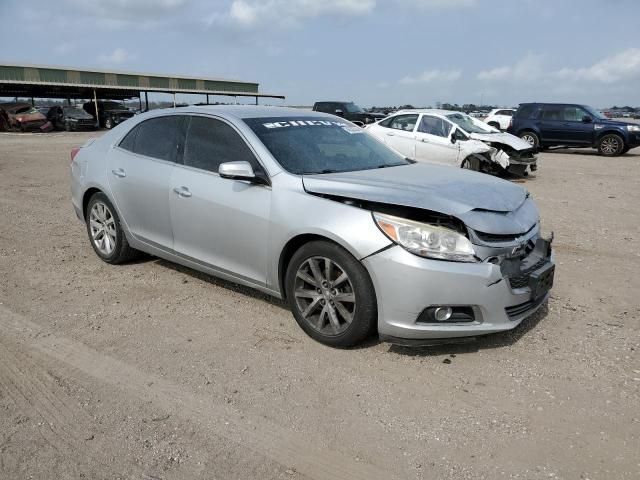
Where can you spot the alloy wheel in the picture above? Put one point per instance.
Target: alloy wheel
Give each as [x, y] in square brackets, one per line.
[610, 146]
[102, 225]
[530, 139]
[324, 295]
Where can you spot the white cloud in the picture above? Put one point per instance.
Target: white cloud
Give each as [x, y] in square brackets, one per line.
[528, 68]
[623, 66]
[430, 76]
[132, 10]
[249, 13]
[619, 67]
[118, 56]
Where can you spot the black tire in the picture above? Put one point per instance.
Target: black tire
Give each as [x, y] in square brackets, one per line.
[610, 145]
[365, 311]
[494, 125]
[625, 150]
[531, 138]
[67, 126]
[122, 252]
[471, 163]
[108, 123]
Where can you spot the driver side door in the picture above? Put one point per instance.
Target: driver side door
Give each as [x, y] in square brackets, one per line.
[433, 142]
[220, 222]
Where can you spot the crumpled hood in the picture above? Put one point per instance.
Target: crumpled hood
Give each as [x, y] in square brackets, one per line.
[514, 142]
[482, 202]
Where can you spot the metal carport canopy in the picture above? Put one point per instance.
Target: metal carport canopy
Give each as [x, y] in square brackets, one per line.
[43, 81]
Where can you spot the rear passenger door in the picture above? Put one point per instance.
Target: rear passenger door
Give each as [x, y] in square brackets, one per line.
[400, 136]
[552, 125]
[220, 222]
[139, 171]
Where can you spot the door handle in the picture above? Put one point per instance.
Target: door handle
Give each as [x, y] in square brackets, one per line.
[424, 140]
[182, 191]
[118, 172]
[390, 134]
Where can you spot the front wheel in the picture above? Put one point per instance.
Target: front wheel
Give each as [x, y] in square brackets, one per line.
[494, 125]
[331, 294]
[108, 123]
[610, 145]
[471, 163]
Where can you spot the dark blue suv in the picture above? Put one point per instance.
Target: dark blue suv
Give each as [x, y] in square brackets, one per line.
[551, 124]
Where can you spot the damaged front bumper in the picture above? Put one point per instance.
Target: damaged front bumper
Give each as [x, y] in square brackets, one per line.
[491, 296]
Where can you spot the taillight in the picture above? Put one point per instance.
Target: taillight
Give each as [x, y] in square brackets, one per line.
[74, 152]
[511, 122]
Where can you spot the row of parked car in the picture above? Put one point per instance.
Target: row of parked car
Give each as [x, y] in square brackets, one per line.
[506, 140]
[25, 117]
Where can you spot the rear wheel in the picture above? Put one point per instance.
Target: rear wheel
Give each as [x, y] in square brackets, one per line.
[108, 123]
[531, 138]
[610, 145]
[331, 294]
[105, 231]
[625, 150]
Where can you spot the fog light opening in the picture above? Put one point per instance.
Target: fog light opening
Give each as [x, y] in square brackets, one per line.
[442, 314]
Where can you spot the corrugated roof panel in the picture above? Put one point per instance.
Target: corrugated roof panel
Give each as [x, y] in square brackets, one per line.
[12, 73]
[92, 78]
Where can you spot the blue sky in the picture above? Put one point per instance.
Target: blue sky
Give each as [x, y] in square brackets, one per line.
[375, 52]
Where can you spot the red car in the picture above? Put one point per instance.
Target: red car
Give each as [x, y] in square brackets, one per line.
[23, 117]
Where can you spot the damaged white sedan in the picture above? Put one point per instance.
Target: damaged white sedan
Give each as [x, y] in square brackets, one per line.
[455, 139]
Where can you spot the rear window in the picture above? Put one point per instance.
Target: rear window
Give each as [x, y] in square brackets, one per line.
[526, 111]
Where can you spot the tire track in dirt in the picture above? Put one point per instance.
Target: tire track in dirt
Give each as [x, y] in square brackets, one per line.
[61, 426]
[284, 446]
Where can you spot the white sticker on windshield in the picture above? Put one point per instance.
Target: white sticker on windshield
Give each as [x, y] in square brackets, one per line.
[304, 123]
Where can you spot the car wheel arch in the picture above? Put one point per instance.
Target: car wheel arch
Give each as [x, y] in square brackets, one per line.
[90, 192]
[293, 245]
[610, 132]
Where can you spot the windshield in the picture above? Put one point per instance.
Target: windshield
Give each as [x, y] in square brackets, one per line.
[353, 108]
[466, 123]
[315, 145]
[594, 113]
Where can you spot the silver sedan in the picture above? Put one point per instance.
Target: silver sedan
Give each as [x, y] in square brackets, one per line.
[311, 209]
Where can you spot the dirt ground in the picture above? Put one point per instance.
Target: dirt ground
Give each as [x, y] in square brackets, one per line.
[153, 371]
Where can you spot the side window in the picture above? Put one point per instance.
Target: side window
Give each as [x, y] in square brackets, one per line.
[158, 138]
[404, 122]
[386, 122]
[434, 126]
[211, 142]
[553, 112]
[508, 113]
[129, 141]
[526, 111]
[573, 114]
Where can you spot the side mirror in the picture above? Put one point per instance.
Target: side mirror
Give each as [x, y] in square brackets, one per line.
[587, 119]
[453, 136]
[237, 171]
[339, 112]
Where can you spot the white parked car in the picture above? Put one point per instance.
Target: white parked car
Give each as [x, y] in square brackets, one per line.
[454, 139]
[500, 118]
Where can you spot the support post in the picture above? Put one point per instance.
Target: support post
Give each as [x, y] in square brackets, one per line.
[174, 99]
[256, 100]
[95, 104]
[146, 102]
[33, 103]
[140, 101]
[207, 99]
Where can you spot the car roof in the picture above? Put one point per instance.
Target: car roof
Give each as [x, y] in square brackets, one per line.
[432, 111]
[248, 111]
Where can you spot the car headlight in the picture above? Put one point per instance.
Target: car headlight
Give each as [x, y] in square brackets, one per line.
[633, 128]
[426, 240]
